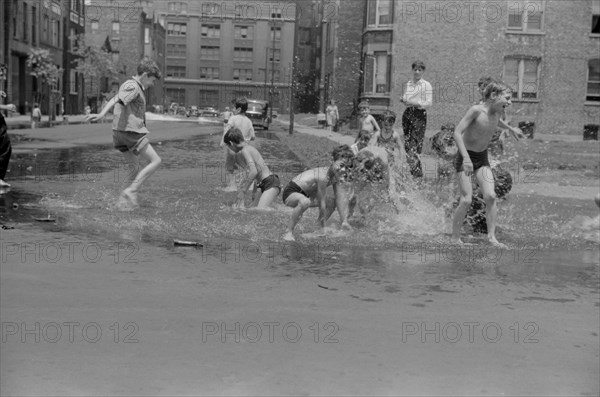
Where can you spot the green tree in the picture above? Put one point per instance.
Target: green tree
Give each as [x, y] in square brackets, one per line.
[95, 64]
[46, 72]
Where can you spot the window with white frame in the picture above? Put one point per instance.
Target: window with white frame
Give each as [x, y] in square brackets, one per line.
[380, 12]
[243, 32]
[209, 52]
[242, 74]
[275, 13]
[525, 15]
[275, 33]
[177, 50]
[73, 82]
[177, 6]
[522, 76]
[274, 53]
[209, 73]
[377, 73]
[95, 26]
[242, 54]
[593, 81]
[146, 35]
[596, 17]
[175, 71]
[213, 31]
[176, 29]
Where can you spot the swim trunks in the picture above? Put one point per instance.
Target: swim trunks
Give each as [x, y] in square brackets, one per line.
[479, 159]
[129, 141]
[292, 187]
[269, 182]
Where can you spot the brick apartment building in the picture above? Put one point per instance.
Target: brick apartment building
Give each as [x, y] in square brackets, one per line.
[46, 24]
[217, 51]
[548, 51]
[129, 34]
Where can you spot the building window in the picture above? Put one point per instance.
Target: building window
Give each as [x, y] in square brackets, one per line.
[72, 82]
[275, 13]
[274, 75]
[175, 71]
[177, 6]
[380, 12]
[242, 54]
[146, 35]
[275, 52]
[213, 31]
[209, 73]
[244, 32]
[116, 28]
[522, 75]
[176, 29]
[55, 27]
[33, 26]
[209, 98]
[593, 85]
[377, 73]
[525, 15]
[95, 26]
[596, 16]
[242, 74]
[209, 52]
[275, 33]
[176, 95]
[177, 50]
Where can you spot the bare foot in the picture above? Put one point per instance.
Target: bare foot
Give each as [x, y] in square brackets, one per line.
[4, 184]
[131, 196]
[288, 237]
[496, 243]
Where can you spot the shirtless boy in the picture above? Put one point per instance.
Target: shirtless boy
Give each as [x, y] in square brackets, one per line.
[473, 136]
[257, 170]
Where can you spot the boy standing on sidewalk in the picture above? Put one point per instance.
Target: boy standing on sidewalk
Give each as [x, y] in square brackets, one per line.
[129, 128]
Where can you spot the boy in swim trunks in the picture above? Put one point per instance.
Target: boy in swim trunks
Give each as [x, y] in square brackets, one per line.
[238, 120]
[473, 136]
[308, 190]
[257, 170]
[129, 128]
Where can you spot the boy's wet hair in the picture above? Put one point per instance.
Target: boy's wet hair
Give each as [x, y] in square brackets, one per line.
[241, 103]
[342, 152]
[234, 135]
[149, 67]
[363, 105]
[484, 82]
[364, 133]
[418, 64]
[389, 115]
[496, 87]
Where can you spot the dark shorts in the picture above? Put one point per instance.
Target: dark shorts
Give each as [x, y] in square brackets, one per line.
[479, 159]
[292, 187]
[270, 182]
[128, 141]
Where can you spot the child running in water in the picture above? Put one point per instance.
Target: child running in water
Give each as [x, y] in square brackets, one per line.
[388, 138]
[473, 136]
[308, 190]
[367, 121]
[240, 121]
[258, 171]
[129, 128]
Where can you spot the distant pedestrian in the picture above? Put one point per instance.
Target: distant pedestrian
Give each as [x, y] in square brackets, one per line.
[418, 96]
[36, 115]
[332, 116]
[5, 146]
[129, 128]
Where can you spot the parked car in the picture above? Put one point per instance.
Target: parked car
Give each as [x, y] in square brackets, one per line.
[209, 111]
[258, 112]
[192, 111]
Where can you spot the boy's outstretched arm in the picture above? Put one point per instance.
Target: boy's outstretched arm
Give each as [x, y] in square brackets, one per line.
[250, 176]
[107, 107]
[515, 132]
[464, 123]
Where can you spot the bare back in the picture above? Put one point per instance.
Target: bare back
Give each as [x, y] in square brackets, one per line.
[253, 158]
[310, 180]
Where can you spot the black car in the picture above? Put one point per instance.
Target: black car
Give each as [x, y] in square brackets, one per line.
[258, 112]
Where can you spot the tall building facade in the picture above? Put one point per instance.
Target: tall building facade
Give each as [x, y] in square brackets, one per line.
[217, 51]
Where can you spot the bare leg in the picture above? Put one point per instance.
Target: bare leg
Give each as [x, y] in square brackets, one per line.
[148, 154]
[343, 194]
[230, 167]
[486, 181]
[466, 194]
[266, 198]
[300, 203]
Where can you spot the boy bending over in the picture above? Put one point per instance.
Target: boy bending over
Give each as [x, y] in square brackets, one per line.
[257, 170]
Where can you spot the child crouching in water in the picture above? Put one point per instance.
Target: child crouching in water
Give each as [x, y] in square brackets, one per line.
[257, 170]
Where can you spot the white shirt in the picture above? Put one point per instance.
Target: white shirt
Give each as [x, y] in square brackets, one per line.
[419, 93]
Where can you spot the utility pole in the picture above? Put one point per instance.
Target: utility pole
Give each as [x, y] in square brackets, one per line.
[272, 71]
[266, 70]
[293, 71]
